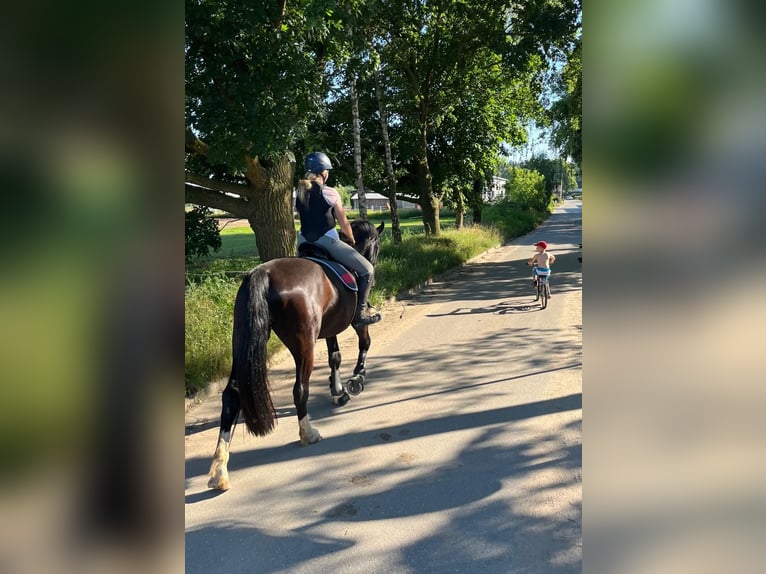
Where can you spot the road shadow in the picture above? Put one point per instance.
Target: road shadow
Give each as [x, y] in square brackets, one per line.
[466, 486]
[399, 367]
[220, 547]
[199, 466]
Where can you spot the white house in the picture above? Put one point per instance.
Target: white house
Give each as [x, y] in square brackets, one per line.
[495, 191]
[379, 202]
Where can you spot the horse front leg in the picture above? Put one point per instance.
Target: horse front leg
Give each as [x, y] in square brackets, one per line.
[355, 385]
[304, 364]
[219, 473]
[339, 395]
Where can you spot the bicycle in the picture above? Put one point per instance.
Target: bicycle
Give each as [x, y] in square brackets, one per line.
[543, 289]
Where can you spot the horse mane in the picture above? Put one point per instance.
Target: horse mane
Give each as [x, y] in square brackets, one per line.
[363, 229]
[366, 237]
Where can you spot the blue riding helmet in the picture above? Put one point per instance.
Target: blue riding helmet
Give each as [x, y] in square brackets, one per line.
[317, 162]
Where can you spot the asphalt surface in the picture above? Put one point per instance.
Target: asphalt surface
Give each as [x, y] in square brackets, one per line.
[463, 454]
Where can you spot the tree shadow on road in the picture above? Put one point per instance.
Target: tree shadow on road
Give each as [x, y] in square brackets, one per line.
[497, 518]
[219, 548]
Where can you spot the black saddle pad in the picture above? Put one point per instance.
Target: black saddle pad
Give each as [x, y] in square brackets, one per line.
[346, 277]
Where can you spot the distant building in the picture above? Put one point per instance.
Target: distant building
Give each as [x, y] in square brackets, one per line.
[494, 191]
[379, 202]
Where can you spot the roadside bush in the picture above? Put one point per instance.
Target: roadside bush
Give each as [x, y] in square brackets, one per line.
[512, 219]
[527, 189]
[201, 233]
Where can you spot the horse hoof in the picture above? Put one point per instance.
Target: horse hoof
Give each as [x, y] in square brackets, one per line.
[341, 400]
[355, 386]
[314, 438]
[219, 483]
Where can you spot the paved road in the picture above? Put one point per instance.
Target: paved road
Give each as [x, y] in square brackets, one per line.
[462, 455]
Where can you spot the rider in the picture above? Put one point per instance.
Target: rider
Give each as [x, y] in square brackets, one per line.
[541, 261]
[319, 206]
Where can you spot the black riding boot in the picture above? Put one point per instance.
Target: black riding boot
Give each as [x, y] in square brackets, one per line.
[363, 315]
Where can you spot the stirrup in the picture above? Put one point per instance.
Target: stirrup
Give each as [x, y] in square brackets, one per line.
[366, 320]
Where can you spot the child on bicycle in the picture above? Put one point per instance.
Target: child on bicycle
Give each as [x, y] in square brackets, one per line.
[541, 262]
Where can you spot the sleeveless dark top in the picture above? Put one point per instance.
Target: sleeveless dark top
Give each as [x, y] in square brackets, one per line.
[316, 214]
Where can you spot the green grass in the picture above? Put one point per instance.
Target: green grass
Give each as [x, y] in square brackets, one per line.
[212, 285]
[209, 309]
[237, 255]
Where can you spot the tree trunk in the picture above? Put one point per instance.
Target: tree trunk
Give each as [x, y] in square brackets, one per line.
[360, 192]
[476, 201]
[428, 201]
[271, 217]
[431, 223]
[396, 231]
[459, 210]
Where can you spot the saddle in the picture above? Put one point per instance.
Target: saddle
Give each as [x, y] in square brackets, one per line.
[320, 255]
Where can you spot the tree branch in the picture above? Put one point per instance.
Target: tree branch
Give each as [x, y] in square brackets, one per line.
[216, 200]
[217, 185]
[194, 144]
[280, 15]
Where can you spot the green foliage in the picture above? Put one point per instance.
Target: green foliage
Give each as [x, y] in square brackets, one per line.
[345, 192]
[566, 112]
[555, 172]
[254, 75]
[513, 219]
[458, 80]
[209, 309]
[201, 233]
[526, 188]
[503, 168]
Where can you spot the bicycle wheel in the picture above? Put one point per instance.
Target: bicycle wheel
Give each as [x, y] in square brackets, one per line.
[543, 293]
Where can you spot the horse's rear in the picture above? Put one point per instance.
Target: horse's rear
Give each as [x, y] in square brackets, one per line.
[297, 299]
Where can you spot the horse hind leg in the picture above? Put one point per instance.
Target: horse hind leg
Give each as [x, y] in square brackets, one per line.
[339, 395]
[304, 364]
[219, 473]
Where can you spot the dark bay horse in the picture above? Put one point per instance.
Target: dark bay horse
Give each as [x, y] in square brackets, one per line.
[301, 303]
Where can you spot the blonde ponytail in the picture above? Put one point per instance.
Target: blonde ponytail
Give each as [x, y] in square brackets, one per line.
[305, 184]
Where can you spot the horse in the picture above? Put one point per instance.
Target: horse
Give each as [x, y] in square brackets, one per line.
[302, 303]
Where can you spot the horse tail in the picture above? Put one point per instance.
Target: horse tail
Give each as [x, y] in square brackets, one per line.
[251, 333]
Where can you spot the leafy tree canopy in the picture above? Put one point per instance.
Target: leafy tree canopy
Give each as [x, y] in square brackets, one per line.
[201, 233]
